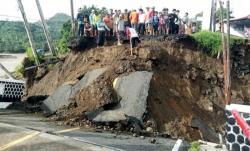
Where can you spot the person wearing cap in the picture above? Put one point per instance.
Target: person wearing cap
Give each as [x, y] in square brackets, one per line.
[134, 16]
[120, 28]
[101, 28]
[80, 17]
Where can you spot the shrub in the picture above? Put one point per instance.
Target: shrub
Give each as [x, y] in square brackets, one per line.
[195, 146]
[19, 71]
[210, 42]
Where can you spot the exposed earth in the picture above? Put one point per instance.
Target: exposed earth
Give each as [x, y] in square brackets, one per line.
[170, 89]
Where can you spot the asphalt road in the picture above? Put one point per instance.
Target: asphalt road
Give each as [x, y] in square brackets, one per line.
[28, 132]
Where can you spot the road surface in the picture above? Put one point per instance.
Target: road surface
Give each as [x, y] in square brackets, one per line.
[28, 132]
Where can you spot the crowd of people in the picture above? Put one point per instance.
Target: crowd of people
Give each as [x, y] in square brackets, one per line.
[132, 24]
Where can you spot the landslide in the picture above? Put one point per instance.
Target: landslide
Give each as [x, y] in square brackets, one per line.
[186, 92]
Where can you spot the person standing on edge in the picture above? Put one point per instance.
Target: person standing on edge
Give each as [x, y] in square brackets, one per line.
[155, 23]
[101, 28]
[80, 17]
[120, 29]
[162, 24]
[91, 21]
[134, 39]
[134, 19]
[142, 20]
[96, 18]
[126, 18]
[166, 19]
[109, 23]
[172, 19]
[177, 22]
[115, 19]
[185, 20]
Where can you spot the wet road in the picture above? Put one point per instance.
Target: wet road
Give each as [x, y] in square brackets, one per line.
[30, 132]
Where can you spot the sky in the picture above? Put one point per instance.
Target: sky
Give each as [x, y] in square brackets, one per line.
[9, 9]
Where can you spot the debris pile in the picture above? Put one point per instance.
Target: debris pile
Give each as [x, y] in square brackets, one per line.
[169, 89]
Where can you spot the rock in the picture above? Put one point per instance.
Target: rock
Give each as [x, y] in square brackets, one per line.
[134, 135]
[62, 95]
[142, 137]
[110, 116]
[152, 140]
[150, 130]
[207, 133]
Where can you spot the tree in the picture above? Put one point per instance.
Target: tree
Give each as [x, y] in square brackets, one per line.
[224, 13]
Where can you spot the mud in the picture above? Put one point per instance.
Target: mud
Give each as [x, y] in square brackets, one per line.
[187, 86]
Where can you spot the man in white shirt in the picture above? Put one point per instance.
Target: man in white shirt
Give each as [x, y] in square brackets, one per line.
[134, 39]
[142, 20]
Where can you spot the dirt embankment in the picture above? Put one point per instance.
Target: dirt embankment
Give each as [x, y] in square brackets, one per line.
[185, 98]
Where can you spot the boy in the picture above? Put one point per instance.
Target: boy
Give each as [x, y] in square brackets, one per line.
[134, 39]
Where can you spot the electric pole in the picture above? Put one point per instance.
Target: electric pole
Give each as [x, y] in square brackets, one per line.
[211, 16]
[214, 16]
[26, 25]
[228, 95]
[45, 28]
[72, 17]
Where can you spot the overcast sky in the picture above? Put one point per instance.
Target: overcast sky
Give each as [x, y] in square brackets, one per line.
[9, 9]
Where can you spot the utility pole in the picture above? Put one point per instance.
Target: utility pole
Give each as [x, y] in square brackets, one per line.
[72, 17]
[228, 95]
[224, 51]
[214, 16]
[26, 24]
[211, 16]
[45, 28]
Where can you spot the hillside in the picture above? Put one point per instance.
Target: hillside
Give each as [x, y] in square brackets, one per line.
[13, 36]
[171, 86]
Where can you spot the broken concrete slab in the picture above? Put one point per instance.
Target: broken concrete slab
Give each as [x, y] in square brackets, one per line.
[133, 90]
[88, 78]
[60, 98]
[110, 116]
[63, 94]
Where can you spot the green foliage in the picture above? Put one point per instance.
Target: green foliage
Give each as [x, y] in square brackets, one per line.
[210, 42]
[88, 10]
[13, 37]
[30, 55]
[19, 71]
[65, 33]
[224, 13]
[195, 146]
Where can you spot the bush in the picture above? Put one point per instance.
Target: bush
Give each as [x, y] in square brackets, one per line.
[210, 42]
[195, 146]
[19, 71]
